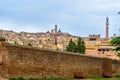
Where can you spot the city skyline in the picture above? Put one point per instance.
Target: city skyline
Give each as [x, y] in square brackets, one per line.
[79, 18]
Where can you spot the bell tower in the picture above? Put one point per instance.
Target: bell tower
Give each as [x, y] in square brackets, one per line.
[56, 28]
[107, 27]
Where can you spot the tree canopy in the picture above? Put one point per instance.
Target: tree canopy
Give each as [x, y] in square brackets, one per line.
[78, 48]
[71, 46]
[116, 42]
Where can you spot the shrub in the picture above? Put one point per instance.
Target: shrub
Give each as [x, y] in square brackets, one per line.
[12, 79]
[20, 78]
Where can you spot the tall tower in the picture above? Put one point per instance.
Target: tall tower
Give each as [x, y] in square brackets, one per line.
[107, 27]
[55, 28]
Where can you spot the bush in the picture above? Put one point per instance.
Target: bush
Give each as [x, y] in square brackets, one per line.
[12, 79]
[29, 44]
[21, 78]
[117, 76]
[116, 42]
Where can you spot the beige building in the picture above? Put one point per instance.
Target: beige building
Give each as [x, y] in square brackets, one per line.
[97, 46]
[58, 40]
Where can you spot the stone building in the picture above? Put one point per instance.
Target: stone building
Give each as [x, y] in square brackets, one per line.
[97, 46]
[58, 40]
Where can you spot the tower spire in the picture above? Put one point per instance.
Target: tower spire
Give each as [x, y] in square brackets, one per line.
[107, 20]
[107, 27]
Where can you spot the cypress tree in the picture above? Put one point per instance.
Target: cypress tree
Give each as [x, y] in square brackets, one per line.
[78, 48]
[71, 46]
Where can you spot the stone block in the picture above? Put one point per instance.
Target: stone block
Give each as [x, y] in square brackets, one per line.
[107, 74]
[78, 75]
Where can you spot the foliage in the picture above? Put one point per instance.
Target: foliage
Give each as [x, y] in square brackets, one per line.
[71, 46]
[117, 76]
[2, 39]
[12, 79]
[29, 44]
[78, 48]
[116, 42]
[21, 78]
[101, 79]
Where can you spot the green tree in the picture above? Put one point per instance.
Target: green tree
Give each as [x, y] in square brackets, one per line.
[29, 44]
[71, 46]
[78, 48]
[116, 42]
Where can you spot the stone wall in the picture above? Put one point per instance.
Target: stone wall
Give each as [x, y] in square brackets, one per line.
[115, 67]
[32, 62]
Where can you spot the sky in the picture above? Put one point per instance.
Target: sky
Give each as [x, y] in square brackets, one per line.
[78, 17]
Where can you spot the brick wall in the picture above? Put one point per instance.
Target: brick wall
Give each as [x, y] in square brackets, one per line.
[32, 62]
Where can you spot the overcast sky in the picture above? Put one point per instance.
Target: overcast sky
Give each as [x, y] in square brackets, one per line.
[78, 17]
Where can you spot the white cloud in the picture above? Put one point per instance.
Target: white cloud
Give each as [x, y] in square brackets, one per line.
[77, 17]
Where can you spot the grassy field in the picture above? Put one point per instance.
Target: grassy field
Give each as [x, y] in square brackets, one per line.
[21, 78]
[105, 79]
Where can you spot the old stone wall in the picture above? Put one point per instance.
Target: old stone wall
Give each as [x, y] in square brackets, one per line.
[32, 62]
[115, 67]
